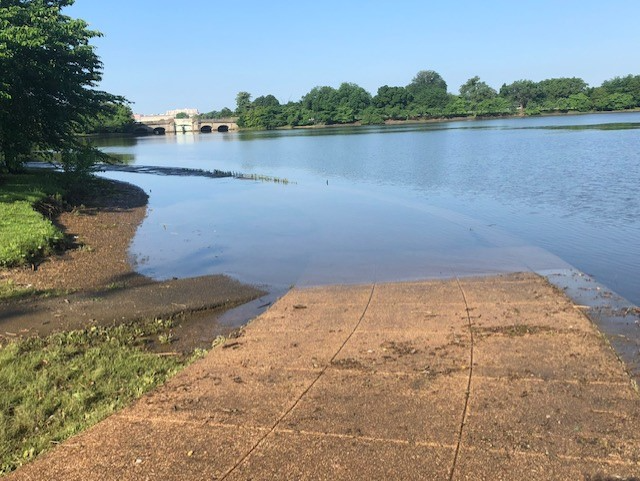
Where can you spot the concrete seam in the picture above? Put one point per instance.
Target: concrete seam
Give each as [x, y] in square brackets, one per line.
[369, 439]
[297, 401]
[468, 392]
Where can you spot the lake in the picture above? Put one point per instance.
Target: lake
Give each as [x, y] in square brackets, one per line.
[398, 202]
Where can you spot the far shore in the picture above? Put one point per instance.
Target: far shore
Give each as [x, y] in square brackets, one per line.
[411, 121]
[460, 119]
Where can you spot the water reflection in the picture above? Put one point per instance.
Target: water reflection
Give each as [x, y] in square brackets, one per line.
[401, 201]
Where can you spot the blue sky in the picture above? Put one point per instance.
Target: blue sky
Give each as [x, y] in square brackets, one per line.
[166, 54]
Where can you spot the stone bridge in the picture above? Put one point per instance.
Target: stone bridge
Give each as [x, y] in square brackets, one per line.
[158, 125]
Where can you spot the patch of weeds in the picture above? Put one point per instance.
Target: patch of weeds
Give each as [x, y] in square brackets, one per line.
[165, 338]
[262, 178]
[10, 291]
[197, 353]
[58, 386]
[114, 286]
[84, 248]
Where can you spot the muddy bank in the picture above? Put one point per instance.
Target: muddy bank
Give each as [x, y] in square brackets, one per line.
[98, 286]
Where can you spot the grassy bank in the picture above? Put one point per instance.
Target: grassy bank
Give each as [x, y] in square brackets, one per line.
[57, 386]
[25, 233]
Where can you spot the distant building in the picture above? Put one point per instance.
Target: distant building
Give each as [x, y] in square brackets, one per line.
[189, 112]
[169, 114]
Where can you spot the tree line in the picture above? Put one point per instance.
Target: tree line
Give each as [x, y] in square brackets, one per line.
[49, 73]
[427, 97]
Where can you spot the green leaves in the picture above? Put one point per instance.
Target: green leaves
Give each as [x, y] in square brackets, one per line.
[427, 97]
[49, 72]
[475, 91]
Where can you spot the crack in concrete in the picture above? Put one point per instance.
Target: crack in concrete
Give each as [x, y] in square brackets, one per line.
[304, 393]
[468, 392]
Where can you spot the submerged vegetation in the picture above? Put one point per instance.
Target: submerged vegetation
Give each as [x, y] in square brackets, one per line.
[188, 172]
[427, 97]
[30, 201]
[55, 387]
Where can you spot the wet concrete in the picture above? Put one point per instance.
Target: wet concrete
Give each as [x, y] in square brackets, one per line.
[616, 317]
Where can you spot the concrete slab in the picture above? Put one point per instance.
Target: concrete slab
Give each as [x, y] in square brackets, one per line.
[487, 315]
[126, 448]
[287, 456]
[409, 408]
[377, 382]
[297, 349]
[429, 293]
[227, 396]
[493, 465]
[510, 289]
[406, 352]
[325, 317]
[586, 420]
[530, 351]
[415, 317]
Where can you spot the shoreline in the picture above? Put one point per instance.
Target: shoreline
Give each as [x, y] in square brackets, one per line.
[456, 119]
[94, 283]
[399, 122]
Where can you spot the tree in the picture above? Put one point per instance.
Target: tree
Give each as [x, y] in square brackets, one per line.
[494, 106]
[624, 85]
[429, 90]
[475, 91]
[217, 114]
[521, 92]
[392, 97]
[352, 96]
[458, 107]
[561, 88]
[580, 102]
[266, 101]
[371, 116]
[428, 79]
[48, 75]
[113, 118]
[342, 105]
[321, 99]
[182, 115]
[262, 117]
[243, 102]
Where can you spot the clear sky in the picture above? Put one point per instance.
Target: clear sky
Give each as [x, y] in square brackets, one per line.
[166, 54]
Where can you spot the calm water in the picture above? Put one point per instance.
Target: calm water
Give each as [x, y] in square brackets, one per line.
[395, 203]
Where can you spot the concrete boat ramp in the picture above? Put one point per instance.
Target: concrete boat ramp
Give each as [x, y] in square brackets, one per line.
[494, 378]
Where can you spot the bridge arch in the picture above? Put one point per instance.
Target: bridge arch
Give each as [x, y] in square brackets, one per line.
[159, 131]
[223, 128]
[206, 129]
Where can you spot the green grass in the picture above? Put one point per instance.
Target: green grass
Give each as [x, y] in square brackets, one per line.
[57, 386]
[25, 234]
